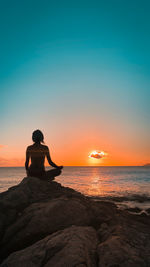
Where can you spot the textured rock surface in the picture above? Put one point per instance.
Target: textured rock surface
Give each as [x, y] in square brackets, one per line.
[41, 219]
[74, 246]
[126, 245]
[45, 224]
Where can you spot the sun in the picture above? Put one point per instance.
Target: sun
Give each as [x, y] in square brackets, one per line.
[97, 154]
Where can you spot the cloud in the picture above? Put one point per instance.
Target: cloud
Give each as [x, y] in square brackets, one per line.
[1, 146]
[97, 154]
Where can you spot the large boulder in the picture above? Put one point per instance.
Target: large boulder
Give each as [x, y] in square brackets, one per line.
[30, 190]
[74, 246]
[127, 244]
[41, 219]
[34, 209]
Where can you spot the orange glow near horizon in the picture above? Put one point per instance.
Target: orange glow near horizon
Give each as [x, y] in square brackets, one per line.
[16, 162]
[74, 157]
[76, 150]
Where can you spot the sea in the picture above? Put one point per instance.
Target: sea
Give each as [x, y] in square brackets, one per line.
[126, 186]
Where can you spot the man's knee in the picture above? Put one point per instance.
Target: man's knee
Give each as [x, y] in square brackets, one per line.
[58, 171]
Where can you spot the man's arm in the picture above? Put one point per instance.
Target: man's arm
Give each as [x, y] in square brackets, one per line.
[50, 161]
[27, 159]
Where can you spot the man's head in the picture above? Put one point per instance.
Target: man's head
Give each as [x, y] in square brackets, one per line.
[37, 136]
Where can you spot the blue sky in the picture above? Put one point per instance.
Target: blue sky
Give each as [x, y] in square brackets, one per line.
[66, 64]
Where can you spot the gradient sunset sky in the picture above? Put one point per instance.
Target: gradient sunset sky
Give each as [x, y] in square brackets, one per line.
[80, 72]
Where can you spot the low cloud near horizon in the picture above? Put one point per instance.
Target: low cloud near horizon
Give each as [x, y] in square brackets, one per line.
[97, 155]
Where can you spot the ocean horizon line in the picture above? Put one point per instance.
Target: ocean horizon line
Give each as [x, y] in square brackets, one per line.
[84, 166]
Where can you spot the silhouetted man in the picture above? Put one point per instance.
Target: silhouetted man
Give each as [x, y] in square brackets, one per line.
[37, 153]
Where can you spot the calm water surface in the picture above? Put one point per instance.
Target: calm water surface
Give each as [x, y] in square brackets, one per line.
[92, 181]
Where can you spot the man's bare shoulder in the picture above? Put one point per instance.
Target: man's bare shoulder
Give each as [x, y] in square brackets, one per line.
[45, 147]
[40, 147]
[29, 147]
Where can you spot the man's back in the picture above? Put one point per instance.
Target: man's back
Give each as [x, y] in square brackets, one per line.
[37, 152]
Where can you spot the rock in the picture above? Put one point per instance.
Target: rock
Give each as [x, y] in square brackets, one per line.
[32, 190]
[29, 191]
[41, 219]
[34, 209]
[126, 245]
[148, 210]
[74, 246]
[115, 252]
[45, 224]
[104, 232]
[136, 209]
[103, 211]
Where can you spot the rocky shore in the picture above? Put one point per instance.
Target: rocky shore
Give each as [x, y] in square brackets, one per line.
[45, 224]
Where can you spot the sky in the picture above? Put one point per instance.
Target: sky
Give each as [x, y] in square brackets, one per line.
[80, 72]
